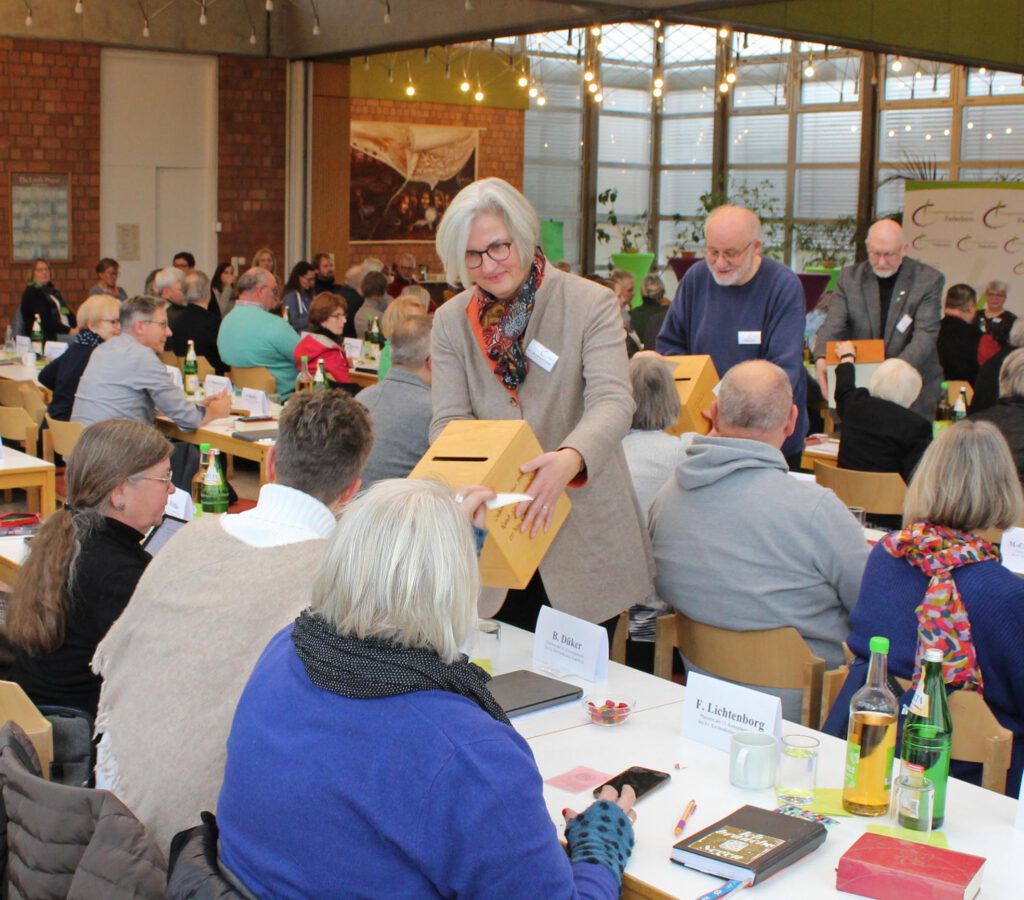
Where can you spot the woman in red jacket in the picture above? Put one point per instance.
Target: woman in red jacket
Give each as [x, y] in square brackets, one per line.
[327, 315]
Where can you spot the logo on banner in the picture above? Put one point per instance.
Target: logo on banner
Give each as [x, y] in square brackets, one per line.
[919, 215]
[964, 243]
[990, 217]
[1009, 248]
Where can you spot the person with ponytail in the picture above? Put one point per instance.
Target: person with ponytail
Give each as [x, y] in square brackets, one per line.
[85, 561]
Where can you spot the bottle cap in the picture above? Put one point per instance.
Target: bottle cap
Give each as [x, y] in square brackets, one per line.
[945, 385]
[933, 654]
[305, 359]
[204, 448]
[879, 644]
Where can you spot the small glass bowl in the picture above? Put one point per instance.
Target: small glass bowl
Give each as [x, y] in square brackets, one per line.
[604, 710]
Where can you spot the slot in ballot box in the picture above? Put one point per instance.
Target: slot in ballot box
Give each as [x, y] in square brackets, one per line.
[696, 379]
[16, 707]
[490, 451]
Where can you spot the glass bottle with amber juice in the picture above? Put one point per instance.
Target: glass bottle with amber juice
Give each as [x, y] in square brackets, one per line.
[871, 740]
[304, 381]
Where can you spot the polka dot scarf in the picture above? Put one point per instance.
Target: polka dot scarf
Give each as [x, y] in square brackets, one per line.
[942, 617]
[369, 668]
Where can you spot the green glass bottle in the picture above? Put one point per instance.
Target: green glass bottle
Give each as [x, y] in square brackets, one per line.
[214, 493]
[38, 341]
[191, 370]
[928, 731]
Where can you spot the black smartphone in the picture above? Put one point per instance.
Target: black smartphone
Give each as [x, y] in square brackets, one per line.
[642, 780]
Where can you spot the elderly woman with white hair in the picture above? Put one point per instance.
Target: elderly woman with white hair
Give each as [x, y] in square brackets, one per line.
[995, 319]
[1008, 413]
[528, 341]
[367, 756]
[880, 433]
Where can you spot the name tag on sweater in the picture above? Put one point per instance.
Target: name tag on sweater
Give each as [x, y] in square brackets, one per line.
[748, 337]
[540, 354]
[903, 324]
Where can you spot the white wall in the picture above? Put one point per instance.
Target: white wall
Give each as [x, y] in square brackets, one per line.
[158, 158]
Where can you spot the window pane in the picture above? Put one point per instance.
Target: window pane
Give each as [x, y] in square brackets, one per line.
[914, 133]
[1002, 173]
[633, 186]
[889, 197]
[835, 80]
[551, 135]
[761, 45]
[769, 183]
[917, 79]
[686, 142]
[622, 100]
[986, 83]
[825, 193]
[680, 99]
[760, 84]
[688, 42]
[681, 190]
[624, 140]
[637, 78]
[628, 41]
[828, 137]
[758, 139]
[993, 132]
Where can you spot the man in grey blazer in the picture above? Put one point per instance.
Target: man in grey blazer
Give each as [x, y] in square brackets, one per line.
[894, 298]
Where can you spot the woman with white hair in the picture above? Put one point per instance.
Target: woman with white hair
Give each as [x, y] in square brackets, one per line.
[1008, 413]
[939, 583]
[880, 433]
[995, 319]
[527, 341]
[367, 756]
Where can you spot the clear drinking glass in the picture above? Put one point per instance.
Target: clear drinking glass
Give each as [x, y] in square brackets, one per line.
[913, 800]
[859, 514]
[486, 644]
[797, 769]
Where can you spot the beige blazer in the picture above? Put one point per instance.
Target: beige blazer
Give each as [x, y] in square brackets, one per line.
[600, 563]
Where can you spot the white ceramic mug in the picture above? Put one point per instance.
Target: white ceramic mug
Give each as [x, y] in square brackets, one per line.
[752, 759]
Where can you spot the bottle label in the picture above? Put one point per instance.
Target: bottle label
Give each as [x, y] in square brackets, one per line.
[212, 477]
[919, 702]
[191, 384]
[852, 764]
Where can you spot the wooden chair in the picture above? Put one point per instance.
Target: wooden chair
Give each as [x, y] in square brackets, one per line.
[881, 493]
[17, 425]
[617, 652]
[257, 378]
[774, 658]
[170, 358]
[953, 391]
[60, 437]
[204, 368]
[25, 394]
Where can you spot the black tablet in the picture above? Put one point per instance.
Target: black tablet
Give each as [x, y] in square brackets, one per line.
[523, 691]
[162, 533]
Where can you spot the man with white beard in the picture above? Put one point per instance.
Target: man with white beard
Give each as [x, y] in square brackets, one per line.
[892, 297]
[737, 305]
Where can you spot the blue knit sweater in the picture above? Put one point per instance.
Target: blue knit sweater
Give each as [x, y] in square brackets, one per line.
[418, 795]
[994, 597]
[768, 311]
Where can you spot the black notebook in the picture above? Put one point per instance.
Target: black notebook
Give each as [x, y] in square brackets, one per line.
[523, 691]
[749, 844]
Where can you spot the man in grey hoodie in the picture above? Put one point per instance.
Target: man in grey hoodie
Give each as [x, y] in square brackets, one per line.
[741, 544]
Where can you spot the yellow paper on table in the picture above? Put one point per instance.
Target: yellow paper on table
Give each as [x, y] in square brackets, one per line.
[935, 838]
[828, 802]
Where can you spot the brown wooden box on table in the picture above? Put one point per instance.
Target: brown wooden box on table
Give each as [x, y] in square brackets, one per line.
[695, 378]
[868, 350]
[490, 451]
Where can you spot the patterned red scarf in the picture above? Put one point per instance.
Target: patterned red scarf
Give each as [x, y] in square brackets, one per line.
[499, 325]
[942, 617]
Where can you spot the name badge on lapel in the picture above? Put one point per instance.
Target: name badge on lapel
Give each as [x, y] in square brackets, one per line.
[540, 354]
[748, 337]
[903, 324]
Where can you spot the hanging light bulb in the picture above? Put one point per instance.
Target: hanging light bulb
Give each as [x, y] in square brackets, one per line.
[657, 23]
[724, 87]
[202, 14]
[982, 70]
[657, 91]
[592, 87]
[479, 95]
[897, 65]
[730, 77]
[28, 17]
[145, 28]
[391, 75]
[600, 46]
[723, 33]
[588, 75]
[809, 68]
[542, 100]
[659, 82]
[410, 90]
[465, 86]
[533, 91]
[468, 4]
[598, 97]
[595, 30]
[523, 80]
[387, 12]
[269, 6]
[79, 9]
[252, 36]
[316, 27]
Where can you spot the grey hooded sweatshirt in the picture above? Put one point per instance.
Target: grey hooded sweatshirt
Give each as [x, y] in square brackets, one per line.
[740, 544]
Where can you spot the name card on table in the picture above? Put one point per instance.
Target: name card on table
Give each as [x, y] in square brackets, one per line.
[216, 384]
[255, 401]
[716, 710]
[353, 349]
[570, 646]
[1012, 548]
[22, 344]
[53, 349]
[175, 374]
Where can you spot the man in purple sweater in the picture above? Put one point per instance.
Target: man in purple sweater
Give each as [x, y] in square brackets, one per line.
[737, 305]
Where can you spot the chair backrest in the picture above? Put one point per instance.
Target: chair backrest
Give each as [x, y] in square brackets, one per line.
[774, 658]
[170, 358]
[18, 425]
[257, 378]
[617, 653]
[62, 436]
[978, 737]
[32, 400]
[953, 390]
[10, 393]
[16, 707]
[881, 493]
[204, 368]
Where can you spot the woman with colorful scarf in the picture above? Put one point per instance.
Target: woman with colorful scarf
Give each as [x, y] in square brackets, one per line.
[367, 756]
[528, 341]
[939, 583]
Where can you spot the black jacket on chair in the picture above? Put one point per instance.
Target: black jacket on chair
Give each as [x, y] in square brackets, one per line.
[877, 435]
[1008, 416]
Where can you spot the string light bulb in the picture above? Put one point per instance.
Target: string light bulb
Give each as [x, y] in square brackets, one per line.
[723, 33]
[542, 100]
[897, 65]
[598, 97]
[588, 75]
[724, 87]
[595, 30]
[479, 95]
[28, 17]
[730, 77]
[316, 27]
[982, 71]
[533, 91]
[410, 90]
[145, 28]
[465, 86]
[269, 6]
[252, 36]
[202, 14]
[659, 82]
[657, 91]
[468, 5]
[523, 81]
[592, 87]
[79, 9]
[809, 69]
[387, 12]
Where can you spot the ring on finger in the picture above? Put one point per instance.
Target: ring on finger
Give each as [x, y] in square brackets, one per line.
[458, 498]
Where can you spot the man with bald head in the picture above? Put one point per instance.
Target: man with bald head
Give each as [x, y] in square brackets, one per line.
[892, 297]
[741, 544]
[738, 305]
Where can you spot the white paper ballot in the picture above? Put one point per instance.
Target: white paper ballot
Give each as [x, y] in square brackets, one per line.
[216, 384]
[507, 500]
[180, 504]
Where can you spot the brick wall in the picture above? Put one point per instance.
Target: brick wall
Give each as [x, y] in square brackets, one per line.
[49, 122]
[251, 158]
[500, 153]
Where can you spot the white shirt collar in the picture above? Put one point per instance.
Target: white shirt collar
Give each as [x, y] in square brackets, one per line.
[282, 515]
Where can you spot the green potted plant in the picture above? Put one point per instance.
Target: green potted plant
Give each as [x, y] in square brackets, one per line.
[632, 237]
[830, 245]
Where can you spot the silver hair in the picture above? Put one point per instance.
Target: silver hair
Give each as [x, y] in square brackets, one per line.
[653, 288]
[1011, 375]
[166, 278]
[401, 566]
[140, 307]
[252, 280]
[654, 389]
[1000, 287]
[1016, 338]
[747, 404]
[896, 380]
[410, 341]
[197, 286]
[966, 480]
[490, 195]
[756, 235]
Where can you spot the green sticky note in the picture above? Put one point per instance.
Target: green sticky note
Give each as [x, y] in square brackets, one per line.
[828, 802]
[485, 664]
[935, 838]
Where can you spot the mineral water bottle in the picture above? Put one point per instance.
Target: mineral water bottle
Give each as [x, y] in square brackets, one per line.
[191, 371]
[37, 337]
[928, 731]
[960, 407]
[304, 381]
[320, 379]
[197, 480]
[871, 740]
[214, 492]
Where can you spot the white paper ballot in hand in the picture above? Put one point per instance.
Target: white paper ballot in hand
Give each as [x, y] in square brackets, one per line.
[506, 499]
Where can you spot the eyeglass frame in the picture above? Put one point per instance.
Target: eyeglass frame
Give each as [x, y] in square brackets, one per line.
[470, 254]
[166, 481]
[730, 255]
[166, 323]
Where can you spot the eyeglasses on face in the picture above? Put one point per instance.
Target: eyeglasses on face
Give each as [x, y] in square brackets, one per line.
[712, 255]
[499, 251]
[166, 479]
[157, 322]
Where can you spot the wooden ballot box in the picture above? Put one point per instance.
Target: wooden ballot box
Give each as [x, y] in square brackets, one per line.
[868, 350]
[695, 379]
[16, 707]
[490, 451]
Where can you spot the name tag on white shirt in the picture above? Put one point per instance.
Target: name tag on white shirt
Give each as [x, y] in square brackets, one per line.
[903, 324]
[175, 374]
[748, 337]
[540, 354]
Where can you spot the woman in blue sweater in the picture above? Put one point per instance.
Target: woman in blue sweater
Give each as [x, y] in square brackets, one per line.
[367, 756]
[938, 583]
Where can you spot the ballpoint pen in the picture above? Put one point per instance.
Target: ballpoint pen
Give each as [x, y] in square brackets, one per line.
[689, 811]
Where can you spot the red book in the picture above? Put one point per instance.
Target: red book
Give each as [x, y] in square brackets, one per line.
[888, 868]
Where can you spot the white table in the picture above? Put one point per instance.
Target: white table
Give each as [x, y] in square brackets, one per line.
[977, 821]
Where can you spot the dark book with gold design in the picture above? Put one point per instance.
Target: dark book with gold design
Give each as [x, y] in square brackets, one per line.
[749, 844]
